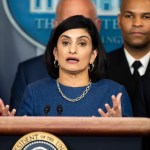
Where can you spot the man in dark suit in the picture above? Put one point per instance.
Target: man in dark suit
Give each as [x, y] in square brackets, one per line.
[134, 22]
[145, 83]
[146, 93]
[28, 72]
[34, 69]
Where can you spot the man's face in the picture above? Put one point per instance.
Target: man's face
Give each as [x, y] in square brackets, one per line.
[134, 21]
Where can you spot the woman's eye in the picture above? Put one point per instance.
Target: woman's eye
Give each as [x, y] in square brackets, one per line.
[82, 43]
[65, 43]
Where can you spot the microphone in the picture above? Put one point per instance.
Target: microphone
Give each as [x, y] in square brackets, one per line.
[59, 110]
[46, 110]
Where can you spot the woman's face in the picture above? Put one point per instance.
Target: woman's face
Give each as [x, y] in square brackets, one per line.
[74, 51]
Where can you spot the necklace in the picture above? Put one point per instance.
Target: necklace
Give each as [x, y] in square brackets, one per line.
[75, 99]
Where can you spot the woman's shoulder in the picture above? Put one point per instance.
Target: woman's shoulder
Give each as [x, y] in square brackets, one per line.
[108, 84]
[42, 83]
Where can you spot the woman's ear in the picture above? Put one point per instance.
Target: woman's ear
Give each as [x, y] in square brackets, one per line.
[55, 53]
[93, 56]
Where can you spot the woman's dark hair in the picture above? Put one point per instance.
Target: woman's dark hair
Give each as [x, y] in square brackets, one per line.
[75, 22]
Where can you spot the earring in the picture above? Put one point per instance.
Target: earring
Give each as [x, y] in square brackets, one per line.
[91, 67]
[56, 64]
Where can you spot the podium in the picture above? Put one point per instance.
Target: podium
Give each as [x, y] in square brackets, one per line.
[79, 133]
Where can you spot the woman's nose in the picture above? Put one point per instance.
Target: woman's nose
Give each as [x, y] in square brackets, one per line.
[73, 49]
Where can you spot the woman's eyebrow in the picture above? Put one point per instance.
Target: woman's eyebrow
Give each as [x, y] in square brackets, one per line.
[83, 36]
[66, 36]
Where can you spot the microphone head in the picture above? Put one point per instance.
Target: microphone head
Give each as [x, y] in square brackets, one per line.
[59, 108]
[46, 109]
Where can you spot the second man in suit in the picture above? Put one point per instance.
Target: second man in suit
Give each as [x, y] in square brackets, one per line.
[134, 22]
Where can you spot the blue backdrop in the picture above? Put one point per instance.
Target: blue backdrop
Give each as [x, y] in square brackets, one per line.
[33, 19]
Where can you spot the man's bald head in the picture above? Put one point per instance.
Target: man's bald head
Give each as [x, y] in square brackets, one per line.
[68, 8]
[125, 3]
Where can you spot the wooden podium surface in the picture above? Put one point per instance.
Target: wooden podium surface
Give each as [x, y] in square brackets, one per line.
[76, 126]
[78, 133]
